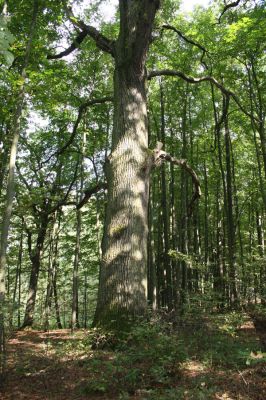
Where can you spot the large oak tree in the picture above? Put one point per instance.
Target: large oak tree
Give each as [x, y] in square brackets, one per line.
[122, 293]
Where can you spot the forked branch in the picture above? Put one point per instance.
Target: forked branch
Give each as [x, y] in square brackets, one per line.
[102, 42]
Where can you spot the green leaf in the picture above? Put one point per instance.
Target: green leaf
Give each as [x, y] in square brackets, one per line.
[8, 56]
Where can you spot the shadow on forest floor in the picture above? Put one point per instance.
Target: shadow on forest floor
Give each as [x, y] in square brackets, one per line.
[208, 360]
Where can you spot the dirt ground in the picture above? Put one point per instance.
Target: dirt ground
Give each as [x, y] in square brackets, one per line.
[38, 371]
[35, 372]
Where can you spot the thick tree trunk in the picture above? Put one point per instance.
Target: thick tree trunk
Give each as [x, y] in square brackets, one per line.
[123, 280]
[123, 275]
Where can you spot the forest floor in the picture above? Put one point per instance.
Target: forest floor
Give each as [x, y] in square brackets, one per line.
[58, 365]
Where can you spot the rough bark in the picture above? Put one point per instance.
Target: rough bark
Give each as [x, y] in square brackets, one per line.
[123, 280]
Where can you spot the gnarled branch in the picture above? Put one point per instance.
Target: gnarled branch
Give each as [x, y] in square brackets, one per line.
[101, 41]
[208, 78]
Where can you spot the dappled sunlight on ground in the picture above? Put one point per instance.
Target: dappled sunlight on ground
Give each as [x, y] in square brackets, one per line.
[59, 365]
[36, 372]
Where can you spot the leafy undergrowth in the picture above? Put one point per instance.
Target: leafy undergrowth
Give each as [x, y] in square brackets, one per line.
[197, 358]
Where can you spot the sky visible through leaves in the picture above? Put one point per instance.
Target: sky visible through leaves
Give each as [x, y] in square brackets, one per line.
[108, 9]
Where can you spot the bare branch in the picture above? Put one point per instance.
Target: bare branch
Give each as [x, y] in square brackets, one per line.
[170, 27]
[75, 45]
[89, 192]
[190, 79]
[190, 41]
[161, 156]
[230, 5]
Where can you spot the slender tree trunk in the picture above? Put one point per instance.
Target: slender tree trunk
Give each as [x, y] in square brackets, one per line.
[51, 269]
[85, 308]
[75, 297]
[174, 239]
[255, 128]
[262, 268]
[261, 113]
[15, 131]
[49, 290]
[206, 221]
[4, 153]
[97, 196]
[165, 212]
[35, 257]
[123, 276]
[57, 308]
[230, 220]
[183, 229]
[238, 230]
[218, 275]
[75, 301]
[218, 125]
[152, 284]
[55, 267]
[161, 283]
[18, 272]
